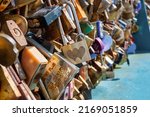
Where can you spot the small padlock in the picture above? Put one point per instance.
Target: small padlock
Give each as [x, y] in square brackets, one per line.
[86, 27]
[95, 75]
[103, 6]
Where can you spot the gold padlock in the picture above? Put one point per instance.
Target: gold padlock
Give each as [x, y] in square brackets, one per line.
[8, 50]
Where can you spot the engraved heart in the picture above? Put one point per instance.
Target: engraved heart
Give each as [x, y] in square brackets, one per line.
[76, 53]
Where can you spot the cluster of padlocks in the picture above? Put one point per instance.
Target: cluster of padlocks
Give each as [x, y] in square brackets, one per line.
[61, 49]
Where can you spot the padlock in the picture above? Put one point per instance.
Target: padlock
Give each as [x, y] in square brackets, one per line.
[33, 63]
[77, 52]
[89, 40]
[52, 31]
[118, 35]
[8, 89]
[86, 27]
[128, 12]
[55, 70]
[57, 75]
[35, 5]
[4, 4]
[19, 20]
[84, 4]
[114, 15]
[8, 50]
[12, 29]
[95, 75]
[122, 56]
[107, 41]
[98, 46]
[103, 6]
[96, 5]
[46, 15]
[84, 75]
[79, 11]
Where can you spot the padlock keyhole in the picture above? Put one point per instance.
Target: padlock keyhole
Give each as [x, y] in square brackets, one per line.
[17, 32]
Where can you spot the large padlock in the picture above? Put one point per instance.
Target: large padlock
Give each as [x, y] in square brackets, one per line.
[8, 50]
[19, 20]
[77, 52]
[33, 63]
[57, 75]
[11, 28]
[8, 89]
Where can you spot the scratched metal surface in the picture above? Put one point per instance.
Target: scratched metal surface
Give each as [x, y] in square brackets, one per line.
[131, 82]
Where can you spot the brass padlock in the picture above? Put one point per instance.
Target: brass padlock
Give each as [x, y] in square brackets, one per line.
[58, 73]
[95, 75]
[8, 50]
[33, 63]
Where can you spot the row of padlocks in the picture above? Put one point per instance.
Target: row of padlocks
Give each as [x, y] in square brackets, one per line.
[61, 49]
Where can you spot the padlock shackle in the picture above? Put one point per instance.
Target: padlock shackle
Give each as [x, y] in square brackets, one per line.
[75, 17]
[62, 33]
[44, 51]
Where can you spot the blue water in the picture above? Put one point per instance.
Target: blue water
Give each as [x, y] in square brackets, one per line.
[130, 83]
